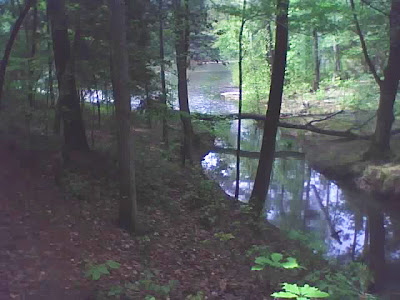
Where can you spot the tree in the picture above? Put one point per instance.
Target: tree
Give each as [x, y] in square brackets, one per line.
[13, 35]
[240, 100]
[182, 32]
[68, 102]
[31, 68]
[380, 144]
[162, 72]
[121, 82]
[261, 182]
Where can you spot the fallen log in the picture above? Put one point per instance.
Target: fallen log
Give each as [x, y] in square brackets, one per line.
[309, 127]
[256, 155]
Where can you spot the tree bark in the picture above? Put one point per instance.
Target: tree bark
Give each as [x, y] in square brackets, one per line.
[74, 131]
[262, 180]
[7, 51]
[239, 131]
[181, 11]
[31, 65]
[121, 81]
[317, 62]
[380, 146]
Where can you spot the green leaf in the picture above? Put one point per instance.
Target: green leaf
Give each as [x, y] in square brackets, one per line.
[113, 264]
[293, 288]
[115, 291]
[276, 257]
[262, 260]
[103, 269]
[291, 263]
[285, 295]
[312, 292]
[96, 275]
[257, 268]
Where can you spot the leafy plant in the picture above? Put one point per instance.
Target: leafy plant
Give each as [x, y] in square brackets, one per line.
[224, 237]
[293, 291]
[274, 260]
[96, 271]
[198, 296]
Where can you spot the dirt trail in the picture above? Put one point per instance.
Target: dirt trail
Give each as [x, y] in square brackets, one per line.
[37, 246]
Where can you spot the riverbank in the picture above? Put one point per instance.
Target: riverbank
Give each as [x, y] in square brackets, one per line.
[342, 160]
[58, 237]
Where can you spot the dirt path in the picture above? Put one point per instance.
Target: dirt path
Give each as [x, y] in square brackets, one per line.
[37, 248]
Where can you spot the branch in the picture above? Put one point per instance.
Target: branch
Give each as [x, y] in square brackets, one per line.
[375, 8]
[326, 118]
[364, 46]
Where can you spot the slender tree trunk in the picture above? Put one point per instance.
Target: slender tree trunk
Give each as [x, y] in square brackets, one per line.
[336, 58]
[31, 67]
[240, 100]
[162, 74]
[181, 10]
[317, 62]
[120, 81]
[50, 69]
[7, 51]
[270, 47]
[69, 108]
[262, 180]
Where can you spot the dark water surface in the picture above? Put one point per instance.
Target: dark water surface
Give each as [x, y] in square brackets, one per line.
[341, 223]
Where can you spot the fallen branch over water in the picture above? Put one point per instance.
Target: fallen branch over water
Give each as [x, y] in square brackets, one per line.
[253, 154]
[309, 126]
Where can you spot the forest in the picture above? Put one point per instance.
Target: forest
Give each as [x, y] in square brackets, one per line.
[199, 149]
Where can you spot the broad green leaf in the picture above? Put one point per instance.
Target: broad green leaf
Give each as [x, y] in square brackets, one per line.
[293, 288]
[291, 263]
[276, 257]
[262, 260]
[312, 292]
[113, 264]
[102, 269]
[96, 275]
[257, 268]
[285, 295]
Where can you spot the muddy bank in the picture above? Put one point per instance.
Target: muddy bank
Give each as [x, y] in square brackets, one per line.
[341, 160]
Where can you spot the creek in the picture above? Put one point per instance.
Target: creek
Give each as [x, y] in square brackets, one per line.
[342, 223]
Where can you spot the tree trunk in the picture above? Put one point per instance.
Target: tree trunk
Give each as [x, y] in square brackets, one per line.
[317, 62]
[239, 131]
[270, 47]
[120, 81]
[336, 54]
[162, 73]
[31, 65]
[69, 109]
[262, 180]
[181, 11]
[380, 146]
[7, 51]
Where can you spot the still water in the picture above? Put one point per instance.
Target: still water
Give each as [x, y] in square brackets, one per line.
[341, 223]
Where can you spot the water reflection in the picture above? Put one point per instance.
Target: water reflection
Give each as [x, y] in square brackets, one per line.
[342, 223]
